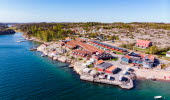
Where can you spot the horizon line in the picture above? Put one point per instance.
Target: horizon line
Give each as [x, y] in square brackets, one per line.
[87, 22]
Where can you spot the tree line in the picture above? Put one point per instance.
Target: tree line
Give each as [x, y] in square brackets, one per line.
[46, 31]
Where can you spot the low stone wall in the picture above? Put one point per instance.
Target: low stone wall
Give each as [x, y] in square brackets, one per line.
[129, 85]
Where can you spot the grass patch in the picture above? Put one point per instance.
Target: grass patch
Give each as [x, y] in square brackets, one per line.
[80, 58]
[114, 59]
[117, 52]
[162, 53]
[140, 49]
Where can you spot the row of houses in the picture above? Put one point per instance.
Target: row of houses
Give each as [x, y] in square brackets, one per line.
[71, 45]
[80, 39]
[147, 61]
[87, 47]
[81, 53]
[103, 56]
[81, 48]
[106, 46]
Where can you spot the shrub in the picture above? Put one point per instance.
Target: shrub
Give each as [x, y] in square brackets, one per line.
[90, 66]
[80, 59]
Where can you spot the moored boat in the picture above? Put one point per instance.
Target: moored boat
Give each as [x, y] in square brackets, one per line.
[43, 55]
[33, 49]
[158, 97]
[20, 41]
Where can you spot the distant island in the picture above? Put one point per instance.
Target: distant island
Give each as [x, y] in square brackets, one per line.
[4, 30]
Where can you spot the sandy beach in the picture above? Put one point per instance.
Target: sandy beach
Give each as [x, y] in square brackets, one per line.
[162, 75]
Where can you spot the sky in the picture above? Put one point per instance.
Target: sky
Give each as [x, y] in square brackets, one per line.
[107, 11]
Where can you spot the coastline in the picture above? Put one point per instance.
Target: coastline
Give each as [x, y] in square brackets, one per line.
[140, 74]
[153, 74]
[157, 80]
[77, 66]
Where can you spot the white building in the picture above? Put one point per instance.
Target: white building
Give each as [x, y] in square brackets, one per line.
[168, 54]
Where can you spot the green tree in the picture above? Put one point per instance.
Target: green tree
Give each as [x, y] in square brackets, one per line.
[114, 37]
[153, 50]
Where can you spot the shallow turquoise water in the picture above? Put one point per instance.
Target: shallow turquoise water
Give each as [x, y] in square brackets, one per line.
[24, 75]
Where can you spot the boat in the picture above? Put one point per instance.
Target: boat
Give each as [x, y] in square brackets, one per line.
[158, 97]
[43, 55]
[20, 41]
[33, 49]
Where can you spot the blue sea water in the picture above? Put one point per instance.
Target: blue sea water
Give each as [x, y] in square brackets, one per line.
[25, 75]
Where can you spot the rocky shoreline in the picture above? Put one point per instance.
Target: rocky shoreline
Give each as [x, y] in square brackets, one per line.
[7, 32]
[47, 49]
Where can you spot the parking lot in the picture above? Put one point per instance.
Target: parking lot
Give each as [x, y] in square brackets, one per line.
[122, 67]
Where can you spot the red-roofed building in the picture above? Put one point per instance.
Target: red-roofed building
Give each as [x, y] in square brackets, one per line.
[127, 56]
[151, 57]
[111, 69]
[70, 45]
[143, 43]
[80, 39]
[81, 53]
[68, 38]
[99, 62]
[88, 47]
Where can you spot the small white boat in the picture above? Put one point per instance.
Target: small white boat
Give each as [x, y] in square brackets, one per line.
[158, 97]
[20, 41]
[43, 55]
[33, 49]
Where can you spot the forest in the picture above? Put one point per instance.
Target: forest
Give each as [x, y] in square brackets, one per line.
[4, 30]
[46, 31]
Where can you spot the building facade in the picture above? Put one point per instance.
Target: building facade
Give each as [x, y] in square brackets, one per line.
[143, 43]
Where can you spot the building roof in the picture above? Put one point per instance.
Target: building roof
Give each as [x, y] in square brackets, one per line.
[55, 52]
[143, 41]
[87, 47]
[134, 54]
[127, 56]
[111, 68]
[81, 51]
[104, 65]
[99, 62]
[80, 39]
[142, 55]
[168, 52]
[68, 38]
[108, 46]
[151, 57]
[71, 44]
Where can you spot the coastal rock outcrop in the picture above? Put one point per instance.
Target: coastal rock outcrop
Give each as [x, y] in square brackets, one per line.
[6, 31]
[62, 59]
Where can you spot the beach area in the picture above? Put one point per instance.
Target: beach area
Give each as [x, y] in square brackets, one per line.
[160, 75]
